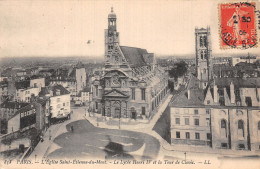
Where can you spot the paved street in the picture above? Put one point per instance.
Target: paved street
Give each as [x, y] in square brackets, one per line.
[41, 150]
[89, 141]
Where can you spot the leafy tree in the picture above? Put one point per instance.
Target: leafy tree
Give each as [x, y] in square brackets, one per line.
[178, 70]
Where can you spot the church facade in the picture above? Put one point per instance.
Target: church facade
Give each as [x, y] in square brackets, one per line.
[132, 85]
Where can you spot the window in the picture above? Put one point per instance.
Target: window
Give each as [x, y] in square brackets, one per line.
[208, 136]
[96, 105]
[208, 101]
[143, 94]
[259, 125]
[197, 136]
[223, 124]
[187, 135]
[96, 88]
[143, 110]
[197, 122]
[63, 104]
[241, 146]
[177, 120]
[240, 124]
[196, 111]
[223, 145]
[207, 111]
[187, 121]
[201, 41]
[205, 40]
[248, 101]
[178, 134]
[133, 93]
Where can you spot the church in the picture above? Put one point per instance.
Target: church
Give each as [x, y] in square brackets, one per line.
[132, 84]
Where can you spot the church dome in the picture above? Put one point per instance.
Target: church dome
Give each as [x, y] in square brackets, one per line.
[112, 14]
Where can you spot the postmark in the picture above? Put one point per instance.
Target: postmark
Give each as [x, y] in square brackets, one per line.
[237, 25]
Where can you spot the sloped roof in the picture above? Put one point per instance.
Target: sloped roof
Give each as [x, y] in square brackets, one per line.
[134, 56]
[22, 84]
[86, 89]
[13, 105]
[46, 90]
[193, 82]
[181, 100]
[72, 74]
[238, 82]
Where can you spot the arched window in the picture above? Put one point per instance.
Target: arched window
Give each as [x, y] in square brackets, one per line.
[205, 40]
[223, 124]
[259, 125]
[240, 126]
[201, 41]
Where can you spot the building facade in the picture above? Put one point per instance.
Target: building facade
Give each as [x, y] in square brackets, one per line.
[73, 79]
[225, 115]
[132, 85]
[59, 100]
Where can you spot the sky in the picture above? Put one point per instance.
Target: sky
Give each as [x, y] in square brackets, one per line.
[63, 28]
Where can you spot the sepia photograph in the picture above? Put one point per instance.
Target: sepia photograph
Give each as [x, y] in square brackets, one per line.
[129, 84]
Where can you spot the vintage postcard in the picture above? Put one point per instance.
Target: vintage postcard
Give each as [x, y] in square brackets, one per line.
[129, 84]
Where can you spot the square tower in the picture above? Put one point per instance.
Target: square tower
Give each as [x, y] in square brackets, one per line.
[203, 55]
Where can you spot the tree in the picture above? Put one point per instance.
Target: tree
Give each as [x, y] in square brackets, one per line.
[178, 70]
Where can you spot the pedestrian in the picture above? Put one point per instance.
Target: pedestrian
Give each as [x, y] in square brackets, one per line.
[41, 138]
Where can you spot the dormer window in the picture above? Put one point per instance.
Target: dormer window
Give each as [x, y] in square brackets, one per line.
[57, 92]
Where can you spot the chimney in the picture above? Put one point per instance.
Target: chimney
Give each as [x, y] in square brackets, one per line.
[189, 94]
[215, 90]
[232, 93]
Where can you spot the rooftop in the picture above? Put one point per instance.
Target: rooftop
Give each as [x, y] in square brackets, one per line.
[53, 89]
[134, 56]
[238, 82]
[13, 105]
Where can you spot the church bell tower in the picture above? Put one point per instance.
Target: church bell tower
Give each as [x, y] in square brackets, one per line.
[111, 36]
[203, 56]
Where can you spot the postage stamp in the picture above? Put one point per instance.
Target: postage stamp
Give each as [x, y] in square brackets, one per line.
[237, 25]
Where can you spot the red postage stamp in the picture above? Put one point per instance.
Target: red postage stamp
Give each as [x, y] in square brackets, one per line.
[237, 25]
